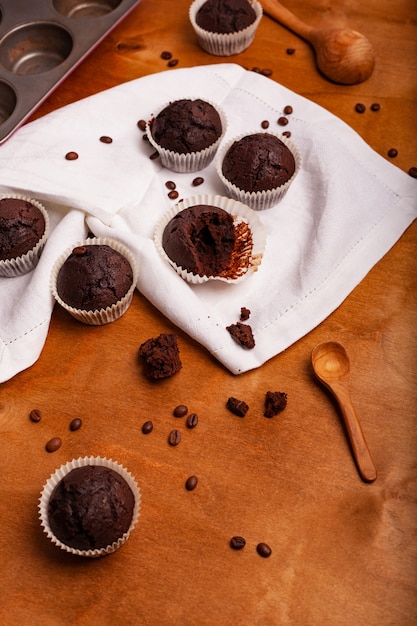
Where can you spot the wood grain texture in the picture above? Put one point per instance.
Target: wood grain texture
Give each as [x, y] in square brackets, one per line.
[343, 552]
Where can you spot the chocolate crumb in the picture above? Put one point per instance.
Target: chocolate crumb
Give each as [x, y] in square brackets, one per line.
[275, 402]
[238, 407]
[244, 314]
[242, 333]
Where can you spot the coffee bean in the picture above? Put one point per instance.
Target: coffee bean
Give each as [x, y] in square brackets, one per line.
[266, 72]
[170, 184]
[287, 133]
[375, 106]
[180, 410]
[257, 70]
[105, 139]
[174, 437]
[263, 550]
[173, 195]
[35, 415]
[147, 427]
[166, 55]
[288, 109]
[191, 483]
[237, 543]
[154, 156]
[192, 420]
[360, 108]
[392, 153]
[71, 156]
[172, 63]
[79, 250]
[413, 172]
[53, 444]
[265, 124]
[290, 51]
[282, 121]
[76, 424]
[197, 181]
[142, 125]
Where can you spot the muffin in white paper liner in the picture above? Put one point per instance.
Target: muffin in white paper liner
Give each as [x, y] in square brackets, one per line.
[225, 44]
[250, 238]
[56, 478]
[186, 162]
[26, 262]
[111, 313]
[258, 200]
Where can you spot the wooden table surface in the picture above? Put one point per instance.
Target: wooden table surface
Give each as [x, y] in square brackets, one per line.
[343, 552]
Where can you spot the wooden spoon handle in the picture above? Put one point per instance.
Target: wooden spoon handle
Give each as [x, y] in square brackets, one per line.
[360, 449]
[278, 12]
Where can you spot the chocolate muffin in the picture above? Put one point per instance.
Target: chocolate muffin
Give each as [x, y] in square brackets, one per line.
[91, 508]
[225, 16]
[200, 239]
[22, 225]
[160, 356]
[94, 277]
[186, 126]
[258, 162]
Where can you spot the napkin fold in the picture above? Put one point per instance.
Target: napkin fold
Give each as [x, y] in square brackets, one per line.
[344, 211]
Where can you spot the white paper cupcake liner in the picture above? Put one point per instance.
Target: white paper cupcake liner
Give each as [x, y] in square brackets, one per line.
[224, 44]
[248, 255]
[258, 200]
[189, 161]
[26, 262]
[110, 313]
[59, 474]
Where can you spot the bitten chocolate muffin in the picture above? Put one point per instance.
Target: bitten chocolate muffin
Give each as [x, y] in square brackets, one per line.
[200, 239]
[91, 507]
[160, 356]
[186, 126]
[94, 277]
[225, 16]
[22, 225]
[258, 162]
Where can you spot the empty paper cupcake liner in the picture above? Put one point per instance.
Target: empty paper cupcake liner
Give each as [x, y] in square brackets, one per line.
[250, 240]
[111, 313]
[188, 161]
[54, 480]
[26, 262]
[225, 44]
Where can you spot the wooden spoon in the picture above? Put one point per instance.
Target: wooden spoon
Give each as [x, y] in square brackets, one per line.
[331, 366]
[342, 55]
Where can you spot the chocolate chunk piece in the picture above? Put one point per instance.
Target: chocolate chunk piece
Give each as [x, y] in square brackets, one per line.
[275, 402]
[238, 407]
[161, 356]
[242, 333]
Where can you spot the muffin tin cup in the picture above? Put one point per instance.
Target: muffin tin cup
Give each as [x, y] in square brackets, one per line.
[258, 200]
[58, 475]
[23, 264]
[111, 313]
[189, 161]
[224, 44]
[248, 252]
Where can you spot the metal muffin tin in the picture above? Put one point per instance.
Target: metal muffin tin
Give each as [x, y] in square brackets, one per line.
[41, 42]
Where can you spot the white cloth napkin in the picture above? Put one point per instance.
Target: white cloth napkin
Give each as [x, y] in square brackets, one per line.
[344, 211]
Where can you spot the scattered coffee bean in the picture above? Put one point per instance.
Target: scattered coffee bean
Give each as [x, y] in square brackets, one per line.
[174, 437]
[257, 70]
[142, 125]
[79, 250]
[265, 124]
[170, 184]
[197, 181]
[266, 71]
[287, 133]
[105, 139]
[191, 483]
[53, 444]
[166, 55]
[76, 424]
[145, 138]
[263, 550]
[35, 415]
[238, 407]
[71, 156]
[288, 109]
[172, 63]
[392, 153]
[237, 543]
[192, 420]
[282, 121]
[154, 156]
[290, 51]
[173, 195]
[180, 411]
[375, 106]
[360, 108]
[147, 427]
[413, 172]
